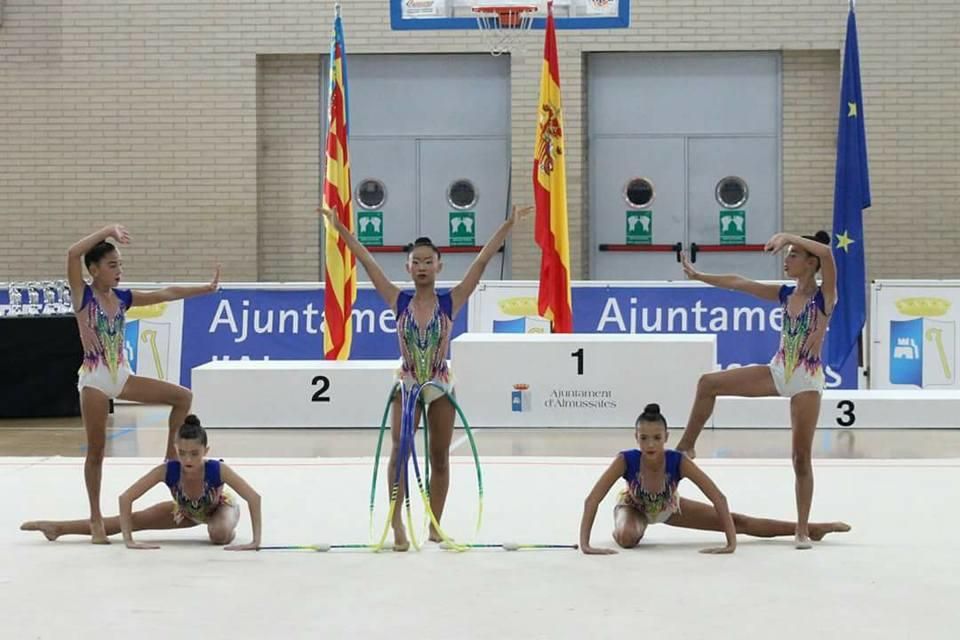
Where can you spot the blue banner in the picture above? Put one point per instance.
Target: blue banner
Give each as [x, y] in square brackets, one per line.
[263, 324]
[747, 328]
[286, 324]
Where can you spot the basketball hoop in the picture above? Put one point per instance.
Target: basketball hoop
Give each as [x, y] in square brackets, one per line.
[502, 26]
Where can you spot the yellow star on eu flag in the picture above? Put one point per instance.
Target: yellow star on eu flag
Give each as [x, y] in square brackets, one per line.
[844, 241]
[852, 109]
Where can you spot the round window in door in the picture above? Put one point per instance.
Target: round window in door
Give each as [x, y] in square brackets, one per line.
[461, 194]
[371, 194]
[639, 193]
[732, 192]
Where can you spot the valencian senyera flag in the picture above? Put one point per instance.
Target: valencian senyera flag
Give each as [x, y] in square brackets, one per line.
[341, 265]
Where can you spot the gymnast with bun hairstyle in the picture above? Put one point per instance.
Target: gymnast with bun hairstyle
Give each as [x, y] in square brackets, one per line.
[424, 330]
[796, 370]
[100, 307]
[196, 484]
[652, 473]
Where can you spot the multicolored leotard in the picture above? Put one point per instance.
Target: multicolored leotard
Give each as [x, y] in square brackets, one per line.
[212, 498]
[100, 334]
[424, 349]
[657, 504]
[796, 367]
[104, 362]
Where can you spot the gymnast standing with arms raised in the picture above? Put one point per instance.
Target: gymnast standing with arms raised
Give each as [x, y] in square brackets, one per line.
[424, 329]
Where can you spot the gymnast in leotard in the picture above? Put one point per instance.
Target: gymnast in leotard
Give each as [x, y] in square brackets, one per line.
[652, 474]
[196, 484]
[796, 370]
[424, 326]
[100, 308]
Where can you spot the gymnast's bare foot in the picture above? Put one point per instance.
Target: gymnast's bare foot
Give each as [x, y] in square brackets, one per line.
[47, 528]
[400, 542]
[98, 534]
[818, 531]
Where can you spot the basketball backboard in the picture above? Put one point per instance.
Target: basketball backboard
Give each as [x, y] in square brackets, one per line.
[431, 15]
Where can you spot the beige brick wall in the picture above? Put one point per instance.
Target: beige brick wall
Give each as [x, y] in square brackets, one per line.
[195, 122]
[136, 113]
[288, 172]
[810, 111]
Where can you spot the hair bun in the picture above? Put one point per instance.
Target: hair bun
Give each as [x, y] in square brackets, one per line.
[422, 241]
[192, 419]
[822, 237]
[652, 408]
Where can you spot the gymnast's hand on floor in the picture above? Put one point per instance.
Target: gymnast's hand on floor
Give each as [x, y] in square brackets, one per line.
[596, 551]
[252, 546]
[141, 545]
[719, 550]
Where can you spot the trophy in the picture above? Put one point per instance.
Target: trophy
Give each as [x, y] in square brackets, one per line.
[63, 292]
[33, 298]
[50, 306]
[15, 300]
[11, 288]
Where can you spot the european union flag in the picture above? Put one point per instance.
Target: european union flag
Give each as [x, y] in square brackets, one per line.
[851, 196]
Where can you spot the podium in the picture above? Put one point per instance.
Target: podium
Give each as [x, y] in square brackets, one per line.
[292, 393]
[577, 380]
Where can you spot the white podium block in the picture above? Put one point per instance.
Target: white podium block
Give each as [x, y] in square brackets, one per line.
[577, 380]
[732, 412]
[292, 393]
[854, 409]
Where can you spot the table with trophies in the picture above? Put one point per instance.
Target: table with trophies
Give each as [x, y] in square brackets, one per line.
[40, 350]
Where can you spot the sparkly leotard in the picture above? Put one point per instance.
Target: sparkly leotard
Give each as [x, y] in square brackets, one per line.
[104, 362]
[657, 504]
[423, 350]
[796, 367]
[211, 499]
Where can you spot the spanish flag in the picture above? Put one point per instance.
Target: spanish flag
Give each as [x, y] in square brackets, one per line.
[341, 265]
[550, 193]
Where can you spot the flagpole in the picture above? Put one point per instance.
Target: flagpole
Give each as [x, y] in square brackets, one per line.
[336, 9]
[852, 5]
